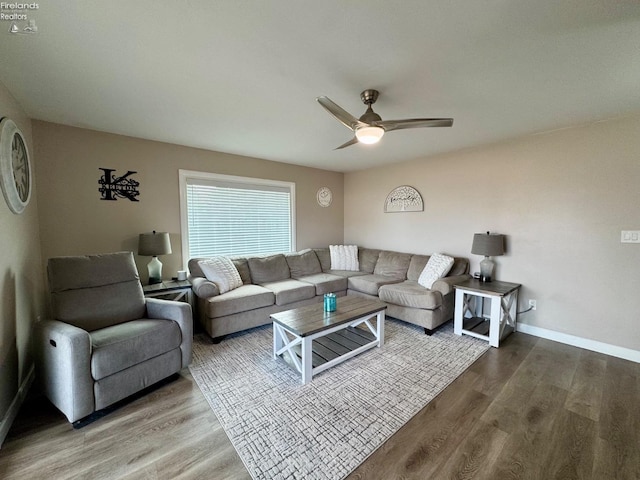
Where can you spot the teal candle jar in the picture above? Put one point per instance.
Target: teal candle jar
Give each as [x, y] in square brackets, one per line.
[330, 302]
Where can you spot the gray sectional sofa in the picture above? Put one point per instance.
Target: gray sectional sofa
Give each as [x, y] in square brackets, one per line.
[285, 281]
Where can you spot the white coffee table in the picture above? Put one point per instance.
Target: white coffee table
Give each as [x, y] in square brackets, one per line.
[316, 340]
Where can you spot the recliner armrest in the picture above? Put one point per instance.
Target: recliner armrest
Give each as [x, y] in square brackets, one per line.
[179, 312]
[63, 356]
[445, 285]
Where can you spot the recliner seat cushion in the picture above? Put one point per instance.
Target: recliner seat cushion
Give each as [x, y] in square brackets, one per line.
[370, 284]
[119, 347]
[410, 294]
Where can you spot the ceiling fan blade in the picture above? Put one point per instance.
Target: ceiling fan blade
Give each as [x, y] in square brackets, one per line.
[340, 113]
[353, 141]
[389, 125]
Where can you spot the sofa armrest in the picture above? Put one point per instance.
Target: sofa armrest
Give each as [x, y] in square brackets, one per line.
[63, 357]
[179, 312]
[445, 285]
[204, 288]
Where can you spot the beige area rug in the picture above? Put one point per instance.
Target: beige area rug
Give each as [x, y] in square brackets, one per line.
[323, 430]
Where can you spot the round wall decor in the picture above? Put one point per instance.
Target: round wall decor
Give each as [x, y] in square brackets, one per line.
[324, 196]
[15, 167]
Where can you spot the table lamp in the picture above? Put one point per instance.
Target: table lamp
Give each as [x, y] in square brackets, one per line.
[154, 244]
[487, 244]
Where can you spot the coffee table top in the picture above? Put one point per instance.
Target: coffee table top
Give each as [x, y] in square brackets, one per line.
[311, 319]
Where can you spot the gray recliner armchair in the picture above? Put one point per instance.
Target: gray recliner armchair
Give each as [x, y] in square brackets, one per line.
[106, 341]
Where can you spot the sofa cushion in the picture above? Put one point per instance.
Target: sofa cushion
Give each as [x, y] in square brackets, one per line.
[290, 291]
[344, 257]
[242, 299]
[268, 269]
[416, 266]
[410, 294]
[368, 257]
[324, 256]
[326, 282]
[437, 267]
[119, 347]
[222, 272]
[243, 269]
[393, 264]
[460, 267]
[370, 283]
[303, 263]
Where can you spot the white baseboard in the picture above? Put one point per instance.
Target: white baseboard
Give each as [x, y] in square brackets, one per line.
[593, 345]
[12, 413]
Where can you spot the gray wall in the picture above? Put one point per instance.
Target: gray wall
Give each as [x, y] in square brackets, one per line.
[21, 283]
[561, 199]
[73, 219]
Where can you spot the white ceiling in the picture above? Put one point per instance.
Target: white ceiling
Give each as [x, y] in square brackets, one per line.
[242, 76]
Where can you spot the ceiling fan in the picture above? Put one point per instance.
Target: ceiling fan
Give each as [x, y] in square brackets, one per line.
[370, 127]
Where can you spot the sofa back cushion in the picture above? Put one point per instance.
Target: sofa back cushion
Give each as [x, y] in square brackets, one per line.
[416, 266]
[242, 265]
[393, 264]
[368, 257]
[95, 291]
[460, 267]
[324, 257]
[268, 269]
[304, 263]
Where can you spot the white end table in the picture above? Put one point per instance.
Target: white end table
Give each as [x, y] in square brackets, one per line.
[470, 318]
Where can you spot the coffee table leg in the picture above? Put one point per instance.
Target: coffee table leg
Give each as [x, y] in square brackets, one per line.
[380, 328]
[307, 367]
[277, 341]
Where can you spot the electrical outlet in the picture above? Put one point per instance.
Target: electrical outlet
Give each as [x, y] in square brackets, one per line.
[532, 304]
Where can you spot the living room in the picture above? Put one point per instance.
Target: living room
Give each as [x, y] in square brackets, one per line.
[561, 195]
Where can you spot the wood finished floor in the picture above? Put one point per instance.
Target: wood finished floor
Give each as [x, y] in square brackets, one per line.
[532, 409]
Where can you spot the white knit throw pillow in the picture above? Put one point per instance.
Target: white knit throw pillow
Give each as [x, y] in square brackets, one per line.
[437, 267]
[344, 257]
[222, 272]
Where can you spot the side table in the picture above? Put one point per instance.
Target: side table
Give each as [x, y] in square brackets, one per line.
[470, 319]
[176, 290]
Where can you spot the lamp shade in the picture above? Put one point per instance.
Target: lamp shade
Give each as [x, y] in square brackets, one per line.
[154, 243]
[488, 244]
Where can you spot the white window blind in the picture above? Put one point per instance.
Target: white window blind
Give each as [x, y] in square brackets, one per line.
[235, 215]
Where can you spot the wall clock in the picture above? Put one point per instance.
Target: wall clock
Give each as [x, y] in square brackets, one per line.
[15, 167]
[324, 196]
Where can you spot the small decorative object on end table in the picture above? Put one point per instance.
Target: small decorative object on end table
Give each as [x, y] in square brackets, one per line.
[470, 318]
[170, 290]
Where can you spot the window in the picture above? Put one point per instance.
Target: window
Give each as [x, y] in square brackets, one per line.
[228, 215]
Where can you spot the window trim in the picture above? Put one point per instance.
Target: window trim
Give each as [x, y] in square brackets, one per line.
[185, 175]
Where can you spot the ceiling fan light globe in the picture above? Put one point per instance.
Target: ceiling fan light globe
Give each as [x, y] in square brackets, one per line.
[369, 135]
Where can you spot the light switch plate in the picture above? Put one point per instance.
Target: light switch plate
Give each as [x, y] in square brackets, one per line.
[630, 236]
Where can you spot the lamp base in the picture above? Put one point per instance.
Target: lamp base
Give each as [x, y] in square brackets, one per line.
[486, 269]
[155, 271]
